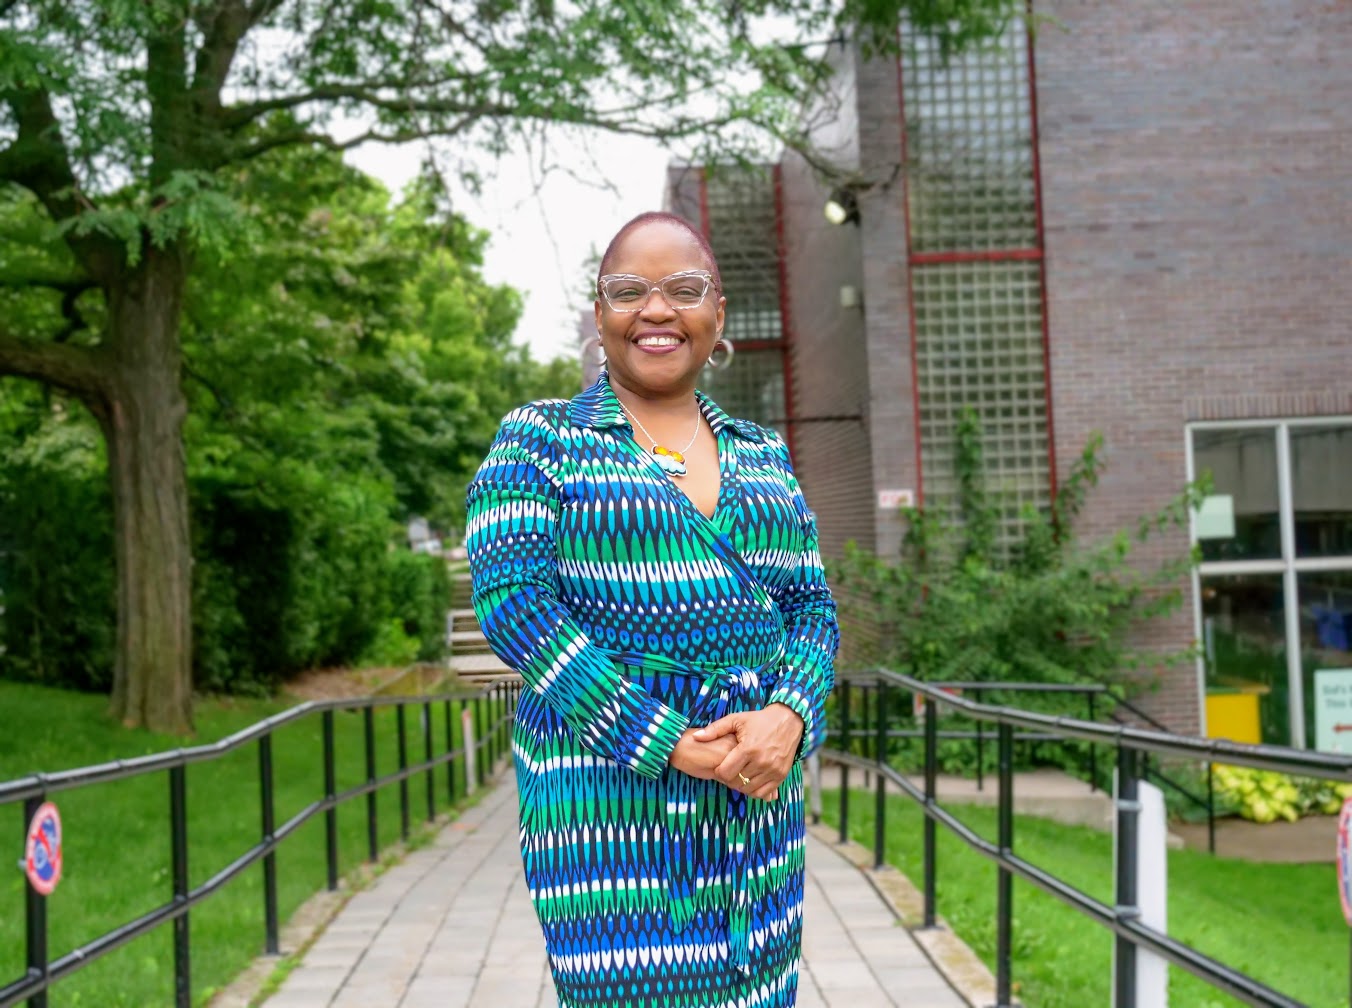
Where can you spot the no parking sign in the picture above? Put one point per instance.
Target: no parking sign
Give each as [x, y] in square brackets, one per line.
[42, 851]
[1345, 860]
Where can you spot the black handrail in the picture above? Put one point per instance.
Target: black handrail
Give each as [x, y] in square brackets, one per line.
[1090, 691]
[491, 738]
[1132, 747]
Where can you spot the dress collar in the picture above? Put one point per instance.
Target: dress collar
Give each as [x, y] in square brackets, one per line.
[598, 407]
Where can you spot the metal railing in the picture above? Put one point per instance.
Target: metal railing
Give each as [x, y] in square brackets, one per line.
[490, 715]
[1098, 699]
[1132, 747]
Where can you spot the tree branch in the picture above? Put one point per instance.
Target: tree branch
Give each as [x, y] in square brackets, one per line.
[76, 369]
[222, 33]
[74, 286]
[236, 117]
[38, 160]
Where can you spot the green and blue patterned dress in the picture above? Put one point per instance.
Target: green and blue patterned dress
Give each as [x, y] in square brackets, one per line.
[632, 616]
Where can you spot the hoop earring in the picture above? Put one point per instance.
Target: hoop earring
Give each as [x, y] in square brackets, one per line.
[717, 363]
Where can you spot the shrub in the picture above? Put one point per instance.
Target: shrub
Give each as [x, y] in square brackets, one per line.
[1265, 795]
[59, 618]
[957, 605]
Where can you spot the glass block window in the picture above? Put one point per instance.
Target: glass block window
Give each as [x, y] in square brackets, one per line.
[979, 345]
[976, 268]
[742, 232]
[969, 146]
[752, 388]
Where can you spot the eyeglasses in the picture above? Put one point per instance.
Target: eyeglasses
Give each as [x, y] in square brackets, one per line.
[627, 293]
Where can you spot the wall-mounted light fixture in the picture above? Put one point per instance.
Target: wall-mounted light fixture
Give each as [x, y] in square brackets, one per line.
[842, 207]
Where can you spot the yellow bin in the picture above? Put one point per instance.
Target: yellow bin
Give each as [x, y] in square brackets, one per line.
[1233, 716]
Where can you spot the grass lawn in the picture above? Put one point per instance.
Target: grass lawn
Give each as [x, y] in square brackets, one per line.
[117, 844]
[1280, 923]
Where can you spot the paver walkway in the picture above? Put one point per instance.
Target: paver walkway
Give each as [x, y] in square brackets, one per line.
[452, 927]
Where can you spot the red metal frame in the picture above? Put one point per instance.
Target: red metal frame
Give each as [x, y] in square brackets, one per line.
[785, 318]
[782, 343]
[910, 282]
[1042, 249]
[704, 201]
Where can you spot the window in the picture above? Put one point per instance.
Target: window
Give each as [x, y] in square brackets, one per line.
[1274, 590]
[975, 254]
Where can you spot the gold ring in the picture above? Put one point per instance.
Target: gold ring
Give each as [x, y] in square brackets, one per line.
[745, 778]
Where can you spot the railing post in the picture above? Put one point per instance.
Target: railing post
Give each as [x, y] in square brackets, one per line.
[1211, 810]
[495, 721]
[1093, 749]
[35, 914]
[1004, 899]
[1128, 807]
[845, 767]
[372, 809]
[272, 944]
[450, 747]
[427, 758]
[502, 725]
[931, 789]
[402, 722]
[331, 814]
[178, 848]
[980, 756]
[480, 749]
[880, 784]
[865, 703]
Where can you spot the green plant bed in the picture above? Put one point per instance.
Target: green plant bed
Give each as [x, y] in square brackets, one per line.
[117, 857]
[1277, 922]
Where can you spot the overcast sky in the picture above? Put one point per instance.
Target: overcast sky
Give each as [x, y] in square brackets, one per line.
[544, 230]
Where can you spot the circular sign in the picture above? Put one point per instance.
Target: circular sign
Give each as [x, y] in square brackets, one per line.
[42, 853]
[1345, 859]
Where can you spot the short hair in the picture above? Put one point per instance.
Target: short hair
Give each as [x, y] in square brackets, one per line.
[659, 217]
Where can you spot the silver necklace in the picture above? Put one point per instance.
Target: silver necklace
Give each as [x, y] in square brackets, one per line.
[671, 461]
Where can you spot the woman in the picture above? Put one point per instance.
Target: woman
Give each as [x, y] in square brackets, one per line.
[649, 566]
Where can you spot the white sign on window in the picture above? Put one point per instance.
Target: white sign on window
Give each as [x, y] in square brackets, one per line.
[1215, 517]
[890, 500]
[1333, 710]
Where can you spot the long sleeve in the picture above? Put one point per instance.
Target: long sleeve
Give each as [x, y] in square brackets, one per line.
[513, 505]
[812, 635]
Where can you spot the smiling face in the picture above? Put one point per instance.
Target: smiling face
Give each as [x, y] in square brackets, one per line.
[657, 351]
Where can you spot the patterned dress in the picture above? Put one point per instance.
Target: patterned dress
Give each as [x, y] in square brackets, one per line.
[631, 616]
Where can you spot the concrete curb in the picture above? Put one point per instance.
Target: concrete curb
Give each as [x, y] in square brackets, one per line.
[957, 963]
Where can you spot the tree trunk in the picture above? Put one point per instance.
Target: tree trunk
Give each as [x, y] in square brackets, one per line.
[143, 425]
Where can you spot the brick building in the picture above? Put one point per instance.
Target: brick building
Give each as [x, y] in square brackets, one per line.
[1138, 221]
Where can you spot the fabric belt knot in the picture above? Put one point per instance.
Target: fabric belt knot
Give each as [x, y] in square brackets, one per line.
[695, 809]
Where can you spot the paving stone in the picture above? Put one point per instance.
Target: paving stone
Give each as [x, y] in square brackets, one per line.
[453, 927]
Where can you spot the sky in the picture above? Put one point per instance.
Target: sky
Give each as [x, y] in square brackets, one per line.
[545, 226]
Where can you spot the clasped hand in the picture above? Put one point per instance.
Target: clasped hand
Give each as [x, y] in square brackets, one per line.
[750, 751]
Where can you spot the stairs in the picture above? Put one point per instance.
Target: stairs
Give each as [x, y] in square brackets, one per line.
[472, 660]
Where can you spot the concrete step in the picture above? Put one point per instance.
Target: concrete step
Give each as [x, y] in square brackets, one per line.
[461, 591]
[478, 664]
[463, 619]
[478, 646]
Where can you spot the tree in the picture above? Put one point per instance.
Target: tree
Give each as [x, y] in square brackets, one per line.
[347, 373]
[120, 120]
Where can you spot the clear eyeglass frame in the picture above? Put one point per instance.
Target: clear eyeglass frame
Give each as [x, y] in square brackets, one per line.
[676, 289]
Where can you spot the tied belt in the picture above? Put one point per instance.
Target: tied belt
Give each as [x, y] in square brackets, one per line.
[693, 867]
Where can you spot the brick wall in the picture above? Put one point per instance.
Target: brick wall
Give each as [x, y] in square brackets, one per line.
[828, 359]
[1198, 213]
